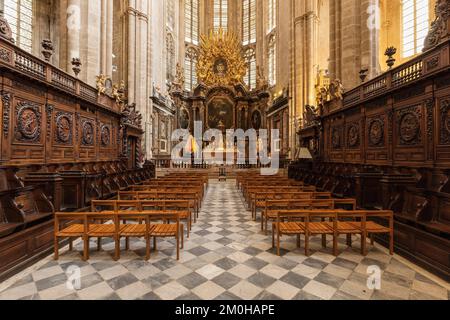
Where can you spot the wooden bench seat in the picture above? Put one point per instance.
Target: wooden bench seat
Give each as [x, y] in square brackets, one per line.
[331, 222]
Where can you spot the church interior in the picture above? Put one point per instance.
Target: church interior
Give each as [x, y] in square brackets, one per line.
[338, 190]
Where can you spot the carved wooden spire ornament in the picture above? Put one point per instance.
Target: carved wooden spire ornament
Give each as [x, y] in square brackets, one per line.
[221, 60]
[440, 28]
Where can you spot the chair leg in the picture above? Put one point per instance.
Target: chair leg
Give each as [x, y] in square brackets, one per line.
[273, 237]
[298, 241]
[182, 237]
[117, 249]
[70, 244]
[127, 243]
[278, 243]
[391, 244]
[335, 245]
[267, 224]
[178, 246]
[262, 220]
[155, 244]
[372, 239]
[56, 248]
[364, 244]
[349, 240]
[99, 244]
[147, 247]
[307, 253]
[324, 240]
[86, 249]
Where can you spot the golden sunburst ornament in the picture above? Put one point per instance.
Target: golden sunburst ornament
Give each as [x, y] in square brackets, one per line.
[221, 60]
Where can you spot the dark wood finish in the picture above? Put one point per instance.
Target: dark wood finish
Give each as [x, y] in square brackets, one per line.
[62, 145]
[387, 144]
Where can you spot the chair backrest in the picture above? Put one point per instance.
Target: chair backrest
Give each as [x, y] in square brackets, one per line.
[177, 205]
[142, 195]
[126, 195]
[151, 205]
[98, 218]
[130, 205]
[103, 205]
[345, 204]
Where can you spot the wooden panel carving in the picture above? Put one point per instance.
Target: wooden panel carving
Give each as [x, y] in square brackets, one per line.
[64, 128]
[6, 100]
[445, 122]
[353, 135]
[376, 132]
[87, 132]
[28, 122]
[409, 126]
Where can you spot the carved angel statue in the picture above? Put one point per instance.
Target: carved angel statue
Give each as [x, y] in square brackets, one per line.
[336, 90]
[119, 92]
[438, 26]
[310, 115]
[178, 82]
[322, 96]
[100, 82]
[260, 79]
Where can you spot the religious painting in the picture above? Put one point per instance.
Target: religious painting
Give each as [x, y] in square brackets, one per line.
[220, 114]
[256, 120]
[220, 67]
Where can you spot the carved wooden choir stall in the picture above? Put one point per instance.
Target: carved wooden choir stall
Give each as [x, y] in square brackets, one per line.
[387, 143]
[63, 143]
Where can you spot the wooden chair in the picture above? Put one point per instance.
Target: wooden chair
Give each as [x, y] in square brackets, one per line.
[274, 206]
[185, 212]
[73, 231]
[290, 228]
[184, 207]
[349, 228]
[321, 228]
[95, 228]
[106, 207]
[373, 227]
[136, 230]
[170, 230]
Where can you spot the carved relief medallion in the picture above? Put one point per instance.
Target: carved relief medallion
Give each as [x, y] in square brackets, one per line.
[376, 132]
[105, 136]
[28, 122]
[409, 128]
[63, 128]
[87, 133]
[353, 136]
[336, 138]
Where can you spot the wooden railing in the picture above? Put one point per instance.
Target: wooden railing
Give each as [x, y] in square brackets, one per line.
[29, 65]
[398, 77]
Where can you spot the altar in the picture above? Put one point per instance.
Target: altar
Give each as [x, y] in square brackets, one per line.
[221, 99]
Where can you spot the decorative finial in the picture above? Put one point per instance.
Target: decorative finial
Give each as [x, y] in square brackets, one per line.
[76, 62]
[363, 74]
[47, 49]
[390, 52]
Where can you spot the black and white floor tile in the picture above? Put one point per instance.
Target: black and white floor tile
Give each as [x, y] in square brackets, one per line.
[227, 257]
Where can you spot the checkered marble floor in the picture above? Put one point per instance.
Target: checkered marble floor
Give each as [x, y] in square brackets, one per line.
[227, 258]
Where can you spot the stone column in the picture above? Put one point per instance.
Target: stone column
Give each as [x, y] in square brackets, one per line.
[73, 31]
[107, 37]
[311, 45]
[131, 50]
[370, 29]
